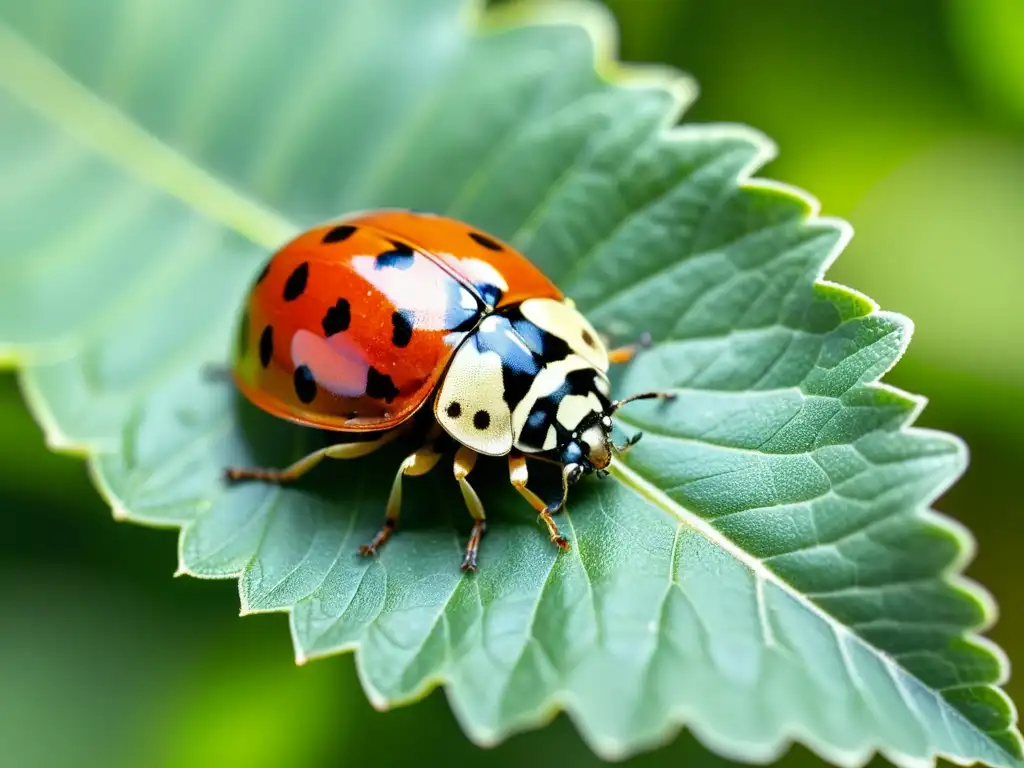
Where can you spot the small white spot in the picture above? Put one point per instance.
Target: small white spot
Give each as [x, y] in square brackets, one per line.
[606, 421]
[575, 435]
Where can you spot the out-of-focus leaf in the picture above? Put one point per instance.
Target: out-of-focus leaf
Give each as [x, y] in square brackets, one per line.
[763, 567]
[952, 217]
[254, 710]
[989, 38]
[78, 654]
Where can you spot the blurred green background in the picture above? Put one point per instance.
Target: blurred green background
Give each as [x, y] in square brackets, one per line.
[905, 118]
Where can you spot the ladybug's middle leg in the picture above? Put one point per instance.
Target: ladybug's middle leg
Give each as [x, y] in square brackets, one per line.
[418, 463]
[465, 460]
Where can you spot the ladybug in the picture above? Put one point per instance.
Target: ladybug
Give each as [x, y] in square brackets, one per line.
[361, 325]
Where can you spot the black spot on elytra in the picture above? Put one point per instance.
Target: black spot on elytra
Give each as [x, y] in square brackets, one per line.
[379, 386]
[263, 274]
[481, 420]
[454, 410]
[486, 242]
[296, 282]
[401, 333]
[337, 318]
[339, 233]
[305, 385]
[266, 345]
[400, 257]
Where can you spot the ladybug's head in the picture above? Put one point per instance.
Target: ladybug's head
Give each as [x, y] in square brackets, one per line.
[590, 448]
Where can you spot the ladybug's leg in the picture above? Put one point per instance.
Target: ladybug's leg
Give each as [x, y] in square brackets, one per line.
[628, 352]
[418, 463]
[465, 460]
[306, 463]
[520, 476]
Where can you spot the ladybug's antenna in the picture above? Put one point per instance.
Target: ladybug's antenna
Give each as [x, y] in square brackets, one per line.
[623, 449]
[616, 404]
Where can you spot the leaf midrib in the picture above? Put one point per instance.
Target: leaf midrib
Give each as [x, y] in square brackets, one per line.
[657, 498]
[42, 86]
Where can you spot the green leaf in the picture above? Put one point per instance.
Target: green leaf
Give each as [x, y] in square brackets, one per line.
[763, 568]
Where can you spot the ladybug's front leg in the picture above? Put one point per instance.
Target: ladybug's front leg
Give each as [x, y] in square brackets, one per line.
[465, 460]
[418, 463]
[519, 475]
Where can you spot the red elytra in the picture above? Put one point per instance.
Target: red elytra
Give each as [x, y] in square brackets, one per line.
[417, 284]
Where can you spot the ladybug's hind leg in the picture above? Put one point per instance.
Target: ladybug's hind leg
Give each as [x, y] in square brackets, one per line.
[465, 460]
[418, 463]
[628, 352]
[307, 462]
